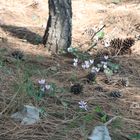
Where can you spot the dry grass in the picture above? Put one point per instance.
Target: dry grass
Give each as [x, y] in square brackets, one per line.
[65, 123]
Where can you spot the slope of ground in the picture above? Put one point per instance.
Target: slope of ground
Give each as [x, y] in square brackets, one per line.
[22, 25]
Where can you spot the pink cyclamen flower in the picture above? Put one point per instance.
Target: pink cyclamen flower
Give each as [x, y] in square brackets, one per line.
[83, 105]
[42, 81]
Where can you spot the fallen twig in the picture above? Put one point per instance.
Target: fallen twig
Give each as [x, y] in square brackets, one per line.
[92, 46]
[97, 32]
[10, 102]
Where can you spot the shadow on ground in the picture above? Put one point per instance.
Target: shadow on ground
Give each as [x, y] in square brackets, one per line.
[23, 33]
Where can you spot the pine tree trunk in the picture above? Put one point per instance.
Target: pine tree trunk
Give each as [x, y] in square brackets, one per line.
[58, 32]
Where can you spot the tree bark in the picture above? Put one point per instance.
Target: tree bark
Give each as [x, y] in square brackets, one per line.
[58, 31]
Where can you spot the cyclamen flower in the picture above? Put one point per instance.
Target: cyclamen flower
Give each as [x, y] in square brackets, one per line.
[91, 61]
[86, 62]
[47, 87]
[95, 69]
[83, 105]
[83, 66]
[42, 81]
[104, 63]
[104, 66]
[106, 57]
[75, 60]
[86, 65]
[75, 64]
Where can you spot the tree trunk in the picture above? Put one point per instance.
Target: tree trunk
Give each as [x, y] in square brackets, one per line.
[58, 31]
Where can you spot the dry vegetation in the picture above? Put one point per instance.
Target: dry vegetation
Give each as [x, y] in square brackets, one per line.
[21, 27]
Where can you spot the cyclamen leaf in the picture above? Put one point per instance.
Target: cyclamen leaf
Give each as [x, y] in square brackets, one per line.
[101, 35]
[108, 72]
[113, 67]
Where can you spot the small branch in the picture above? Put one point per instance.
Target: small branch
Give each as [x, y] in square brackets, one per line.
[97, 32]
[92, 46]
[110, 121]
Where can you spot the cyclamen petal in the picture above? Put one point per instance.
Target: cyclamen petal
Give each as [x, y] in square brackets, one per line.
[47, 87]
[87, 66]
[104, 63]
[83, 107]
[42, 81]
[104, 66]
[82, 103]
[91, 61]
[83, 66]
[75, 60]
[95, 69]
[87, 62]
[106, 57]
[75, 64]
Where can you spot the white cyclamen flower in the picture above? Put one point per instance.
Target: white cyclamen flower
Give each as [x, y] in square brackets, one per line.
[75, 64]
[41, 82]
[91, 61]
[106, 57]
[47, 87]
[83, 66]
[95, 69]
[83, 105]
[104, 66]
[75, 60]
[103, 62]
[87, 64]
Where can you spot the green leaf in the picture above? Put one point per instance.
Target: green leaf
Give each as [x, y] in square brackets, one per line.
[98, 109]
[72, 50]
[101, 35]
[113, 67]
[135, 136]
[104, 118]
[88, 117]
[99, 65]
[108, 72]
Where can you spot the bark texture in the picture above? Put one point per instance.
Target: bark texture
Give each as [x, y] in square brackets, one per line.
[58, 31]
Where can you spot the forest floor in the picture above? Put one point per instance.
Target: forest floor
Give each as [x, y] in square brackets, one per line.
[22, 24]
